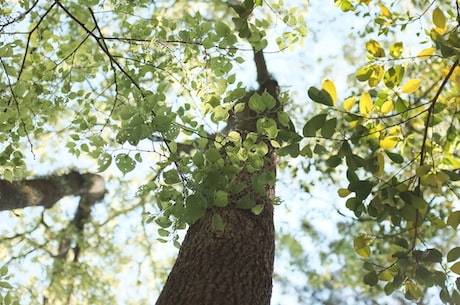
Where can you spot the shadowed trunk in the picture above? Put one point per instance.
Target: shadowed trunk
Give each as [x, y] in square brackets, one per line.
[233, 267]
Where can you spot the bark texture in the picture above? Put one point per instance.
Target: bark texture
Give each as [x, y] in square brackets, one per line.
[233, 267]
[47, 191]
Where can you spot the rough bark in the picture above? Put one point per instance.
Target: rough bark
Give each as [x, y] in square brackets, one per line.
[233, 267]
[46, 191]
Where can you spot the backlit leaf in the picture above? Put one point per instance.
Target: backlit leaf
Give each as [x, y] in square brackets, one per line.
[439, 19]
[396, 49]
[329, 86]
[349, 103]
[385, 11]
[389, 142]
[375, 48]
[426, 53]
[411, 85]
[387, 107]
[365, 104]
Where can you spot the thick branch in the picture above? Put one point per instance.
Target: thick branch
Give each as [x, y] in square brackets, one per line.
[47, 191]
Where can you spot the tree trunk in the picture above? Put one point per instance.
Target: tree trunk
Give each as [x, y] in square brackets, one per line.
[233, 267]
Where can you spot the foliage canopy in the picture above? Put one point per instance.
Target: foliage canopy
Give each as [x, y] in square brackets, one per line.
[141, 84]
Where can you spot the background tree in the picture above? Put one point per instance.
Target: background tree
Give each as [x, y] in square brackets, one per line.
[131, 83]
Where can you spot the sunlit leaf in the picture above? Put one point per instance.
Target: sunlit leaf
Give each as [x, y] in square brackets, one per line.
[361, 245]
[439, 19]
[426, 53]
[365, 104]
[389, 142]
[375, 48]
[396, 49]
[411, 85]
[387, 107]
[349, 103]
[385, 11]
[329, 86]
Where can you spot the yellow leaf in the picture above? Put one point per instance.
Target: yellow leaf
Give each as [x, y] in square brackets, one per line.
[411, 85]
[389, 142]
[329, 86]
[353, 124]
[439, 19]
[375, 48]
[386, 12]
[426, 53]
[365, 104]
[395, 130]
[364, 252]
[349, 103]
[387, 107]
[386, 276]
[361, 245]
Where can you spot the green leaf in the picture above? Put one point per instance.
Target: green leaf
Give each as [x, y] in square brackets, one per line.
[364, 74]
[455, 268]
[125, 163]
[328, 129]
[218, 223]
[256, 103]
[453, 254]
[454, 219]
[439, 19]
[314, 124]
[291, 149]
[268, 127]
[396, 158]
[171, 177]
[371, 278]
[320, 96]
[221, 198]
[212, 155]
[104, 162]
[6, 285]
[163, 232]
[258, 209]
[268, 100]
[246, 203]
[393, 76]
